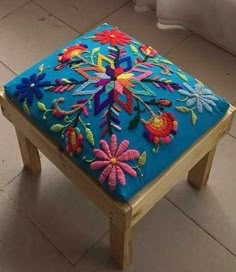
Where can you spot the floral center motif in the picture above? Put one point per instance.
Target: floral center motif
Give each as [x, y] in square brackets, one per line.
[161, 129]
[113, 160]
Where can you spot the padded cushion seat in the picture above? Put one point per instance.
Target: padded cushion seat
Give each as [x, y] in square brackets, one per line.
[121, 111]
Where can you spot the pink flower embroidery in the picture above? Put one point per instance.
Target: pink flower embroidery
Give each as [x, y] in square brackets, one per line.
[113, 160]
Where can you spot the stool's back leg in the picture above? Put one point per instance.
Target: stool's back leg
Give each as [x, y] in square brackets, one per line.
[120, 246]
[29, 153]
[199, 174]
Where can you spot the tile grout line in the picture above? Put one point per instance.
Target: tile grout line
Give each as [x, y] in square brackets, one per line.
[204, 230]
[231, 135]
[90, 248]
[83, 32]
[172, 49]
[8, 68]
[15, 10]
[56, 17]
[21, 212]
[5, 185]
[108, 15]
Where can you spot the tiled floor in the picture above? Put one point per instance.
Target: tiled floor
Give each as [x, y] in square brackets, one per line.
[45, 223]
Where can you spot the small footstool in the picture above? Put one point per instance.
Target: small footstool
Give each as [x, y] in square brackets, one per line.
[119, 120]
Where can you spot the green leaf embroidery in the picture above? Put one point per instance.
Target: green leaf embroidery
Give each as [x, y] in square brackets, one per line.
[182, 76]
[142, 158]
[182, 109]
[25, 108]
[193, 118]
[134, 49]
[134, 122]
[95, 50]
[89, 136]
[41, 68]
[166, 61]
[199, 82]
[66, 80]
[56, 128]
[41, 106]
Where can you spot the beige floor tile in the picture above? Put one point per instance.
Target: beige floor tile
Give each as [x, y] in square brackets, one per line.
[22, 247]
[165, 241]
[83, 14]
[7, 6]
[5, 74]
[10, 159]
[143, 27]
[30, 34]
[213, 208]
[58, 208]
[212, 65]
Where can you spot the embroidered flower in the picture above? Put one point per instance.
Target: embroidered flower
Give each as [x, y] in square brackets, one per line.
[199, 96]
[30, 87]
[115, 78]
[160, 129]
[74, 141]
[71, 52]
[148, 50]
[113, 159]
[112, 36]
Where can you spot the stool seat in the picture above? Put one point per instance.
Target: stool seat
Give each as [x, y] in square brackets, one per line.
[120, 110]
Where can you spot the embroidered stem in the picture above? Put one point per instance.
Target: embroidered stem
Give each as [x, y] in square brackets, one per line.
[76, 109]
[145, 104]
[155, 150]
[138, 170]
[88, 160]
[109, 114]
[117, 55]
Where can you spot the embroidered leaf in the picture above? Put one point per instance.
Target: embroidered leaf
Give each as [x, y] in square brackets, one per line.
[182, 76]
[89, 136]
[56, 128]
[25, 108]
[199, 82]
[134, 49]
[41, 68]
[95, 50]
[66, 80]
[142, 158]
[183, 109]
[194, 118]
[166, 61]
[134, 122]
[41, 106]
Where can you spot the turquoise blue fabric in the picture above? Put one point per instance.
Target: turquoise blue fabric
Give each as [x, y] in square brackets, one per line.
[159, 88]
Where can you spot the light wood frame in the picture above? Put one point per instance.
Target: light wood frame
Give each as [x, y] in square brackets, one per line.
[123, 216]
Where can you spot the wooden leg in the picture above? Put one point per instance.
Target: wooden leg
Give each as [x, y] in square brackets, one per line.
[29, 153]
[120, 246]
[199, 174]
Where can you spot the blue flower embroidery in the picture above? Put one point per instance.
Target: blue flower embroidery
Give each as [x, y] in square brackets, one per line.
[30, 87]
[199, 96]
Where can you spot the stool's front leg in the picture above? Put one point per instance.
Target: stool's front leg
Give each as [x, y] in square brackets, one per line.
[29, 153]
[199, 174]
[120, 246]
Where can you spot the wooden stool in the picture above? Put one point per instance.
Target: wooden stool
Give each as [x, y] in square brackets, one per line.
[123, 216]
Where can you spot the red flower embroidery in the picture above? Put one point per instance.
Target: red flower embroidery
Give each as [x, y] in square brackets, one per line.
[113, 36]
[160, 129]
[148, 50]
